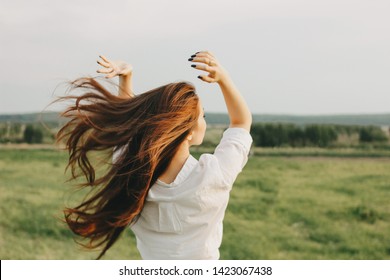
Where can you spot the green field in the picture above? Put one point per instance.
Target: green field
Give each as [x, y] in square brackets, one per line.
[302, 206]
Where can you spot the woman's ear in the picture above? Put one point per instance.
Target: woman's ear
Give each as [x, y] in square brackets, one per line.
[189, 136]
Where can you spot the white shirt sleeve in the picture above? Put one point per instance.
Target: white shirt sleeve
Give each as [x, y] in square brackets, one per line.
[117, 153]
[232, 153]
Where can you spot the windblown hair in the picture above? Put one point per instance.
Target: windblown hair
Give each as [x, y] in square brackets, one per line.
[145, 132]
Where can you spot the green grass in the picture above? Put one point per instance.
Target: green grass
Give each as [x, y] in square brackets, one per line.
[280, 208]
[310, 208]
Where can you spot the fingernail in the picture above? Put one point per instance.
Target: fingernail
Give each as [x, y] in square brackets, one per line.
[190, 59]
[193, 65]
[199, 77]
[197, 52]
[193, 55]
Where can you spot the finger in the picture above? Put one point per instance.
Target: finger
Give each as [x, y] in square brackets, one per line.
[211, 61]
[206, 78]
[203, 59]
[203, 67]
[102, 63]
[111, 75]
[210, 53]
[105, 71]
[104, 58]
[205, 54]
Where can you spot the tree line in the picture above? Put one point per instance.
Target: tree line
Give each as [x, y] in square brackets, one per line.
[279, 135]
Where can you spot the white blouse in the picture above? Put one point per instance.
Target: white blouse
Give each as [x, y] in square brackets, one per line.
[183, 219]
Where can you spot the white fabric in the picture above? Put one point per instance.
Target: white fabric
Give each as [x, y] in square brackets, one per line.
[183, 220]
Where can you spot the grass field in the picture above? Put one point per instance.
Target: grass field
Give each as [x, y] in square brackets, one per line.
[295, 207]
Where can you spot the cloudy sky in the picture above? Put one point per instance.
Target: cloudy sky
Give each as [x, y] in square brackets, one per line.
[286, 56]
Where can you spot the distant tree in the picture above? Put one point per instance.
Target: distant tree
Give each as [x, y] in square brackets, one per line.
[3, 130]
[321, 135]
[32, 135]
[38, 136]
[372, 134]
[297, 137]
[312, 133]
[28, 134]
[268, 135]
[15, 129]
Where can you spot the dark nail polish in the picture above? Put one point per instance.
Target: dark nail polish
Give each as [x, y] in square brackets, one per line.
[190, 59]
[193, 65]
[197, 52]
[199, 77]
[193, 55]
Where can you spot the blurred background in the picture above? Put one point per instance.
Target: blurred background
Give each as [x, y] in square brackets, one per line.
[315, 76]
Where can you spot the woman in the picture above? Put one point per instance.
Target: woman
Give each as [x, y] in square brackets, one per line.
[173, 203]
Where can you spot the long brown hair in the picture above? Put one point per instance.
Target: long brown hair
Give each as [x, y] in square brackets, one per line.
[145, 131]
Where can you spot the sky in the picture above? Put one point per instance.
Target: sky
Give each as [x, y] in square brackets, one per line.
[302, 57]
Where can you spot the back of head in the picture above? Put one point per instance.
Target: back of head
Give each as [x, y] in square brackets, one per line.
[147, 130]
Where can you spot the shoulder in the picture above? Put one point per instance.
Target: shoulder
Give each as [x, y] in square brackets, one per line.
[239, 136]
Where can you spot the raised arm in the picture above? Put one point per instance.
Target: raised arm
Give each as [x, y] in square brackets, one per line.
[121, 69]
[239, 113]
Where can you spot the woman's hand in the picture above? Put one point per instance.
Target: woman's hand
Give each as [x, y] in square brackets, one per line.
[239, 113]
[121, 69]
[114, 68]
[208, 62]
